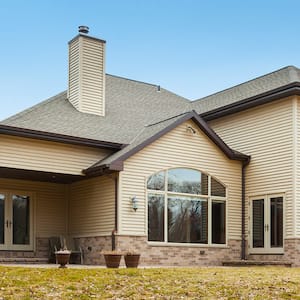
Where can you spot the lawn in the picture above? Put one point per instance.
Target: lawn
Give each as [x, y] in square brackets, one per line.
[179, 283]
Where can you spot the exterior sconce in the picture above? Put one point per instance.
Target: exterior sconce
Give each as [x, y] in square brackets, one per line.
[134, 203]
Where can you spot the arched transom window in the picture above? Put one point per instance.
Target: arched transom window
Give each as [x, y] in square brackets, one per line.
[186, 206]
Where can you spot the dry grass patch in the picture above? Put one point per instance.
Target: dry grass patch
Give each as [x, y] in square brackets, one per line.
[179, 283]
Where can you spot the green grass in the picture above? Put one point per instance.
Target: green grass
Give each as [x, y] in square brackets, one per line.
[179, 283]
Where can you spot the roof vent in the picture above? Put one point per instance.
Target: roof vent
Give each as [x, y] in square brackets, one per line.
[83, 29]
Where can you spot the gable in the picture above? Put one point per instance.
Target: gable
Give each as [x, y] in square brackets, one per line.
[175, 149]
[182, 147]
[152, 132]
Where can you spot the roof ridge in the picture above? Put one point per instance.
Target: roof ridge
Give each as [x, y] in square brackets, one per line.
[167, 119]
[251, 80]
[134, 80]
[158, 86]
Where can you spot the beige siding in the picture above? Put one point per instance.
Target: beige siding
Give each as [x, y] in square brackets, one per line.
[265, 133]
[91, 207]
[178, 149]
[73, 91]
[86, 75]
[50, 204]
[297, 166]
[30, 154]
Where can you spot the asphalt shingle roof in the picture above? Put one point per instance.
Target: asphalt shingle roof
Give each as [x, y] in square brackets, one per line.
[248, 89]
[129, 106]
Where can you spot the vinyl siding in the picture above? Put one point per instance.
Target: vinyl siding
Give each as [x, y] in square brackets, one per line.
[86, 75]
[91, 207]
[177, 149]
[74, 75]
[297, 166]
[92, 77]
[265, 133]
[50, 204]
[30, 154]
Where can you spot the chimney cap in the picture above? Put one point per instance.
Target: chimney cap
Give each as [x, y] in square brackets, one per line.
[83, 29]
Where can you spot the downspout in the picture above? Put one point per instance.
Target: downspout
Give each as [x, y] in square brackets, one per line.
[115, 230]
[243, 249]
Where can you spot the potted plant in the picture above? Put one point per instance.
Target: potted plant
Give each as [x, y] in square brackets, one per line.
[132, 259]
[63, 257]
[112, 258]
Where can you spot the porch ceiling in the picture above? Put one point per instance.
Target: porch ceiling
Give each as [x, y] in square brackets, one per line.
[38, 175]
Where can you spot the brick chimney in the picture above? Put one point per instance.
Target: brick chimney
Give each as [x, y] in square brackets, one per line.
[86, 90]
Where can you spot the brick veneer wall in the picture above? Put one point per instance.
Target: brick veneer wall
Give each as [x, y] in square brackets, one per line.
[163, 255]
[291, 253]
[179, 255]
[92, 247]
[159, 255]
[41, 246]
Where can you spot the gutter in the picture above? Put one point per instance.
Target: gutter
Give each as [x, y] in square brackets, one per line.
[291, 89]
[115, 230]
[56, 137]
[243, 229]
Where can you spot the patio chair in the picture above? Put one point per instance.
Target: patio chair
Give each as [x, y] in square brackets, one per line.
[54, 245]
[72, 245]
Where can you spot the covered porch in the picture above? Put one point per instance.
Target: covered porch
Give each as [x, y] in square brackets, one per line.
[35, 206]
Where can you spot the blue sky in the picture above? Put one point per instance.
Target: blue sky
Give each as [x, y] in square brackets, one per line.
[191, 47]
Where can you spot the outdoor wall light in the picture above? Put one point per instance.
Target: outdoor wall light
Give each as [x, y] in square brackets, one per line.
[134, 202]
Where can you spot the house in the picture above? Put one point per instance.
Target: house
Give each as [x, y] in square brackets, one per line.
[118, 163]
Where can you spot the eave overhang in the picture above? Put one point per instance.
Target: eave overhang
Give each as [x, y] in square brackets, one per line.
[292, 89]
[60, 138]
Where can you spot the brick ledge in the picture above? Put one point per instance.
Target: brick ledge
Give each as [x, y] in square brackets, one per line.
[241, 263]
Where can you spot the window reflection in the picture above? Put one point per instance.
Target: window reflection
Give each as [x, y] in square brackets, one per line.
[156, 181]
[217, 189]
[187, 220]
[187, 181]
[155, 217]
[187, 216]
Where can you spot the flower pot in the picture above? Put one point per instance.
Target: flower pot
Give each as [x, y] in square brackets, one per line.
[62, 258]
[112, 260]
[132, 260]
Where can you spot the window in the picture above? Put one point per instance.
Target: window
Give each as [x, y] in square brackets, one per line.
[186, 206]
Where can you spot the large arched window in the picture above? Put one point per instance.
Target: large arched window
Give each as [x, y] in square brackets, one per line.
[186, 206]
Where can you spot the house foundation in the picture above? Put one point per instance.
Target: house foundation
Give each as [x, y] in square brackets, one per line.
[156, 255]
[291, 254]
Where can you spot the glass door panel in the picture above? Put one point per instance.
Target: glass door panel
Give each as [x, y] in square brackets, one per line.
[16, 219]
[276, 220]
[21, 220]
[2, 218]
[258, 221]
